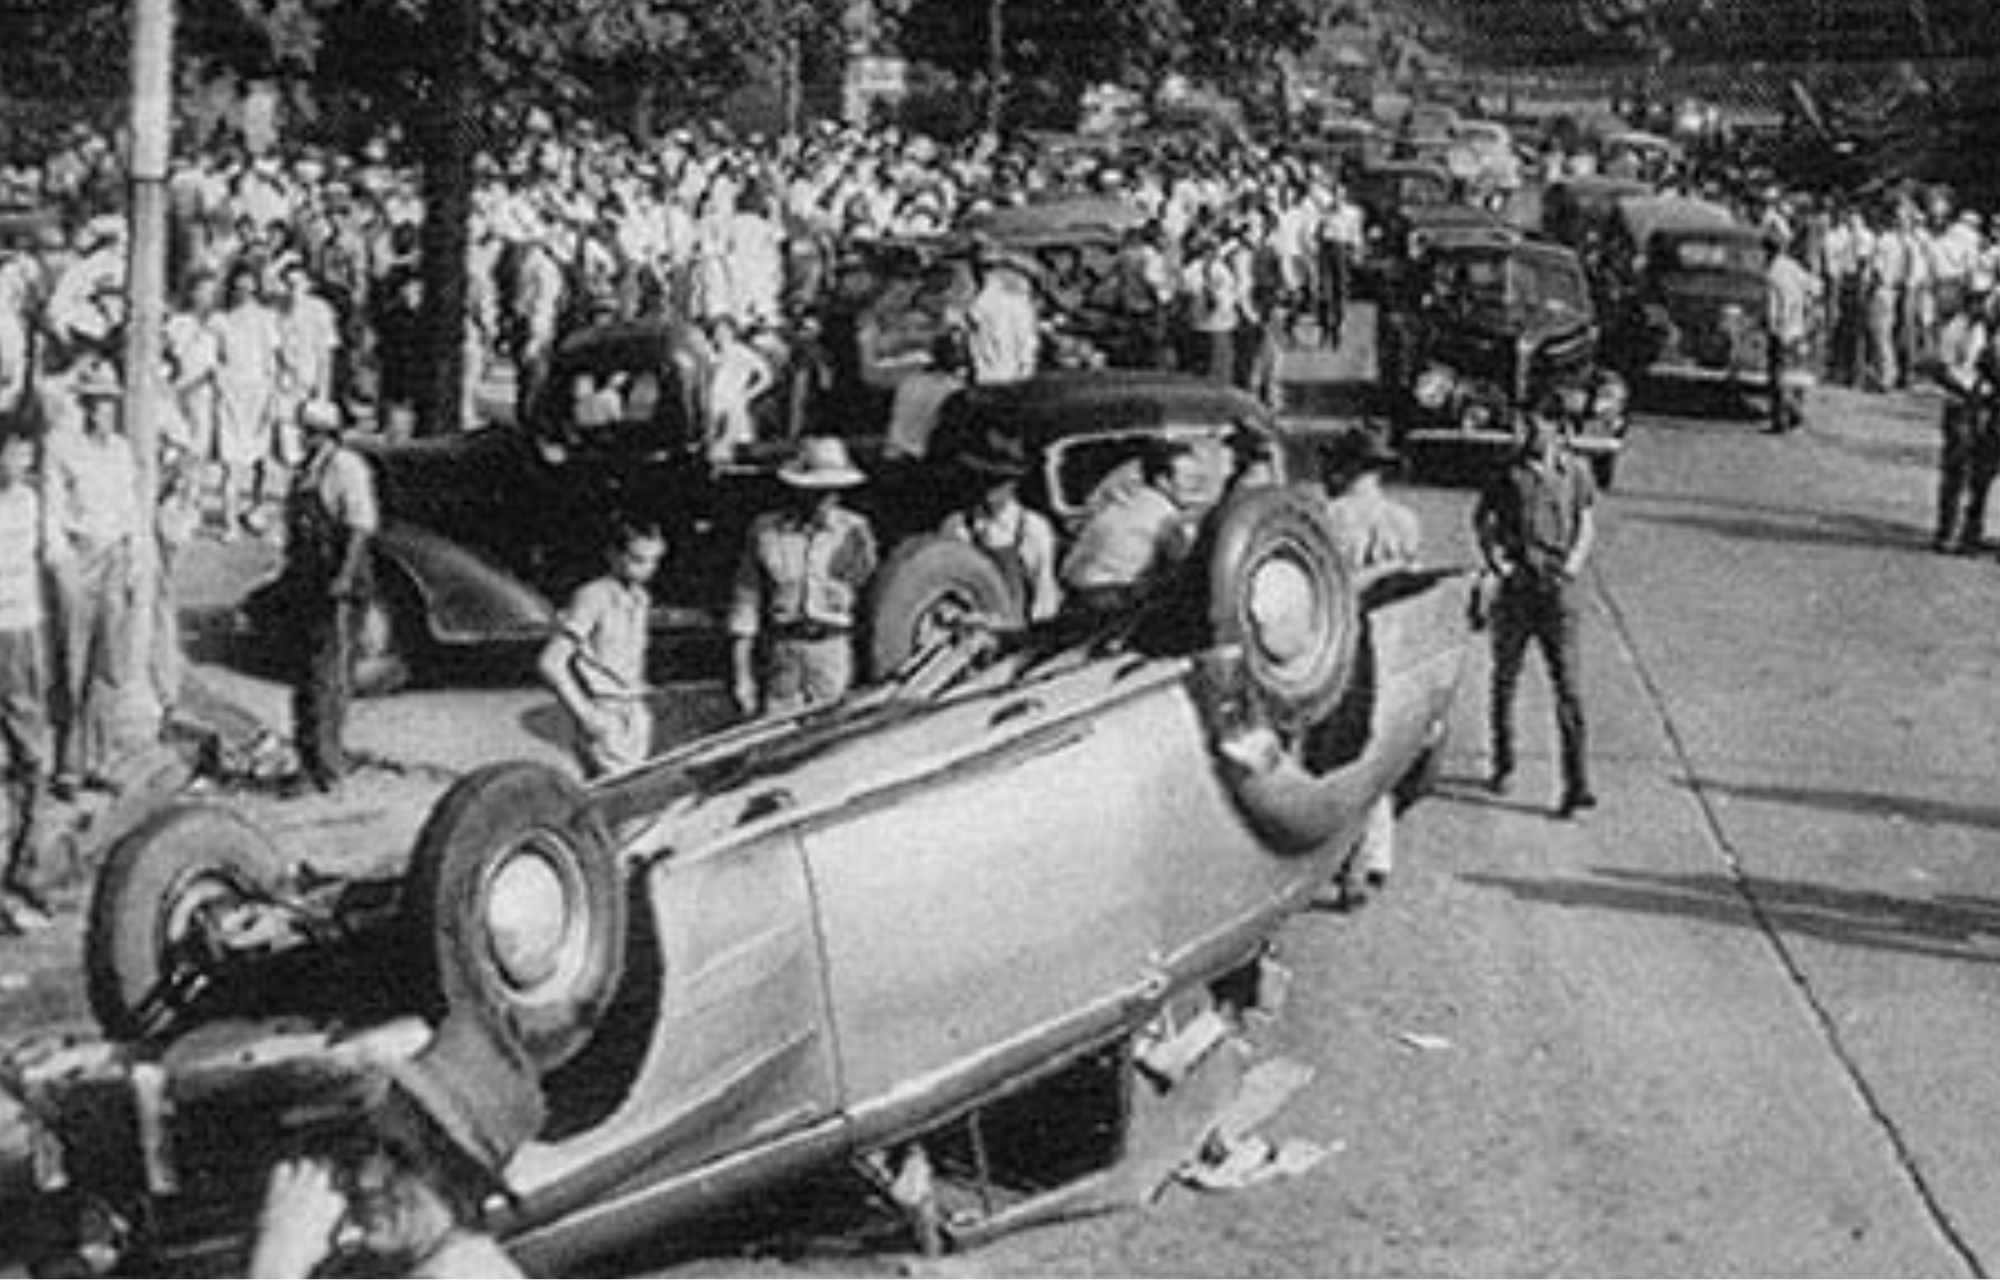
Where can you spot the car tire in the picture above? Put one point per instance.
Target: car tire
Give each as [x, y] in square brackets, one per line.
[182, 860]
[1278, 589]
[925, 579]
[521, 830]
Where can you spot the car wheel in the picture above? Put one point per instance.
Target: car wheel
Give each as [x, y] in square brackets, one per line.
[1279, 590]
[926, 585]
[389, 640]
[514, 908]
[157, 883]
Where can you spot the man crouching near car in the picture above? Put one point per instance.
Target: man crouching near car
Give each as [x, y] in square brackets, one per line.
[403, 1158]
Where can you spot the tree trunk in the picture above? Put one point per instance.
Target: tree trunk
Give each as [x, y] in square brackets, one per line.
[446, 137]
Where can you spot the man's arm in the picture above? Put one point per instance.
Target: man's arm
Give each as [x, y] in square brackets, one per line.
[1586, 539]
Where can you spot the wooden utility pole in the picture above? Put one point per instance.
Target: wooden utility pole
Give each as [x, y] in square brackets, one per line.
[445, 132]
[145, 325]
[996, 64]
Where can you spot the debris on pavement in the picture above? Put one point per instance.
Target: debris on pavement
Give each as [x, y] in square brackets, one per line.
[1424, 1042]
[1233, 1155]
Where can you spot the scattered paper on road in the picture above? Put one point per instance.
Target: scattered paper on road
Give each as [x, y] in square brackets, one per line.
[1427, 1043]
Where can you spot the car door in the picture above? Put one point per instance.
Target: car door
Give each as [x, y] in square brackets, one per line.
[979, 913]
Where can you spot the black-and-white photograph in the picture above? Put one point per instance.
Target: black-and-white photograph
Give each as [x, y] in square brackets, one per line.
[955, 638]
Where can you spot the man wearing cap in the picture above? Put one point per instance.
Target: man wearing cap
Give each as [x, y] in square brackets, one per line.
[331, 516]
[395, 1164]
[1536, 529]
[1021, 541]
[798, 588]
[1375, 535]
[90, 489]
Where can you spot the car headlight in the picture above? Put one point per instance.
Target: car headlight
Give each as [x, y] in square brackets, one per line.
[1434, 387]
[529, 917]
[1612, 398]
[1476, 416]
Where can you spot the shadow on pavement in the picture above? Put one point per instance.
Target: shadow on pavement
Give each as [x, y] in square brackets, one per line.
[1778, 525]
[1873, 804]
[1947, 928]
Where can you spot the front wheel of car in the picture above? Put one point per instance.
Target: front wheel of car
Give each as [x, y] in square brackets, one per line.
[162, 883]
[928, 588]
[1278, 590]
[514, 908]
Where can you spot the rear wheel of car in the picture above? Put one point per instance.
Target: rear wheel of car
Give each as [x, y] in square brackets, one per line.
[515, 910]
[1279, 590]
[927, 587]
[158, 883]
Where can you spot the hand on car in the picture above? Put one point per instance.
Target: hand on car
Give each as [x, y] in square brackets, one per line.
[295, 1229]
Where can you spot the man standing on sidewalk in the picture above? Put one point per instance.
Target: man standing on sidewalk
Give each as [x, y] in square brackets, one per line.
[331, 516]
[1970, 453]
[1536, 529]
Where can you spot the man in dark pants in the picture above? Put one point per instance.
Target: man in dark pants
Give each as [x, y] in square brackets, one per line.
[1536, 529]
[330, 517]
[1969, 456]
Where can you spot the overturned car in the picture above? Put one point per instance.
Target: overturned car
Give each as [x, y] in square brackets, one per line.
[787, 946]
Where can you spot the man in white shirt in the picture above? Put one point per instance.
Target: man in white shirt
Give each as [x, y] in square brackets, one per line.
[596, 661]
[90, 512]
[1003, 331]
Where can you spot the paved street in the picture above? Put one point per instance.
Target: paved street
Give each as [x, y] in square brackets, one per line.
[1740, 1020]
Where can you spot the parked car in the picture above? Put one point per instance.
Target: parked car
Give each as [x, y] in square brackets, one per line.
[895, 301]
[1490, 325]
[486, 534]
[1582, 212]
[805, 942]
[1388, 193]
[1688, 294]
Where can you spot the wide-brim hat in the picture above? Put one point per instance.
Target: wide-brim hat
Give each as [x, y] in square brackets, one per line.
[998, 455]
[477, 1089]
[822, 462]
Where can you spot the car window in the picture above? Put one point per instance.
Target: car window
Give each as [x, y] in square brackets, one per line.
[1696, 254]
[1088, 471]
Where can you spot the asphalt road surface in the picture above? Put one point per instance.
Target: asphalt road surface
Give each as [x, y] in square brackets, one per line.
[1741, 1019]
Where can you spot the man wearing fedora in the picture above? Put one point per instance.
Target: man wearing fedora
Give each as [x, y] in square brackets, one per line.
[1375, 535]
[331, 516]
[393, 1165]
[1020, 540]
[90, 485]
[1536, 528]
[798, 588]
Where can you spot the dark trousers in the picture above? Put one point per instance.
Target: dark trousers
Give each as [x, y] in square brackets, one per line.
[1968, 462]
[1332, 293]
[1849, 332]
[321, 686]
[1549, 614]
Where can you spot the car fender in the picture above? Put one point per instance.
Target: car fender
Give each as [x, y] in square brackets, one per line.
[466, 598]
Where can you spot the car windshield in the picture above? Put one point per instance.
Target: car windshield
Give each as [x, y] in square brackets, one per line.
[1700, 253]
[1513, 285]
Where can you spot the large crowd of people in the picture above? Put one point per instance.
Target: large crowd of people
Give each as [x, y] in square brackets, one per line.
[297, 308]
